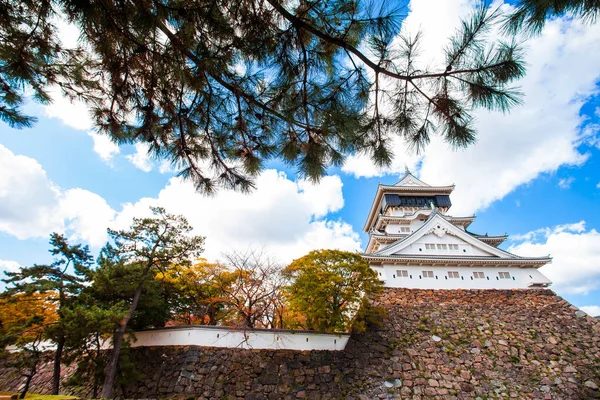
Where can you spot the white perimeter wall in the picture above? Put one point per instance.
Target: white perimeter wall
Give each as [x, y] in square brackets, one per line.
[248, 339]
[523, 277]
[226, 337]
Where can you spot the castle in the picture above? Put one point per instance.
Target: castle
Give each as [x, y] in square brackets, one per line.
[508, 336]
[414, 243]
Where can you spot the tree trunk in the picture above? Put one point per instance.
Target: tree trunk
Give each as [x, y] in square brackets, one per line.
[57, 360]
[111, 368]
[28, 381]
[96, 366]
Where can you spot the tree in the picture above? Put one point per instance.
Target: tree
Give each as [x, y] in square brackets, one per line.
[56, 279]
[89, 325]
[220, 87]
[24, 321]
[252, 289]
[329, 287]
[151, 245]
[531, 15]
[23, 317]
[198, 296]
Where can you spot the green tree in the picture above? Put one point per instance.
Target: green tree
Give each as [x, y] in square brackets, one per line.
[149, 246]
[329, 287]
[531, 15]
[220, 87]
[64, 278]
[99, 309]
[89, 325]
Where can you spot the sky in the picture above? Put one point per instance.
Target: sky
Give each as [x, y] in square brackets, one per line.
[534, 174]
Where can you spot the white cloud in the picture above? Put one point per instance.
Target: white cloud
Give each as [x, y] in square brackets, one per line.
[597, 112]
[165, 167]
[575, 255]
[31, 205]
[513, 149]
[75, 114]
[598, 185]
[283, 216]
[287, 218]
[565, 183]
[28, 198]
[68, 33]
[8, 266]
[72, 113]
[141, 158]
[594, 311]
[86, 214]
[539, 234]
[103, 146]
[361, 166]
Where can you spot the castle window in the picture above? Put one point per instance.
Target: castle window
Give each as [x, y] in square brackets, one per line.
[442, 246]
[429, 246]
[402, 273]
[453, 274]
[504, 275]
[478, 275]
[427, 274]
[405, 229]
[453, 247]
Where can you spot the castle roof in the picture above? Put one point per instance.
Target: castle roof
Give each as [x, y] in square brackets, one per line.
[440, 226]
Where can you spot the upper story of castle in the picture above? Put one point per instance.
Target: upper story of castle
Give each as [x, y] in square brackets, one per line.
[399, 203]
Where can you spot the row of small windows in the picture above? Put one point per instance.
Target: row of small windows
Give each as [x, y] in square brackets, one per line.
[441, 246]
[402, 273]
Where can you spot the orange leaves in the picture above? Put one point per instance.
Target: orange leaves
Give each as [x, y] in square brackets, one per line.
[25, 316]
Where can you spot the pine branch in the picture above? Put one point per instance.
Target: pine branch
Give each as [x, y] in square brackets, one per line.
[530, 16]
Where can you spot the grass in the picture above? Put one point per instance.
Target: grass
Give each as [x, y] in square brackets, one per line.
[33, 396]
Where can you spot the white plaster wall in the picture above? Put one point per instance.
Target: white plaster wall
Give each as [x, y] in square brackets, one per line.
[523, 277]
[418, 247]
[248, 339]
[395, 229]
[227, 337]
[413, 225]
[417, 223]
[380, 271]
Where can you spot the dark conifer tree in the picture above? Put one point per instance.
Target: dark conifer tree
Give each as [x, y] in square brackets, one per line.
[218, 87]
[150, 246]
[64, 278]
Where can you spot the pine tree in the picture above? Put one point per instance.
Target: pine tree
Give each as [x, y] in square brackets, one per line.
[218, 88]
[150, 246]
[63, 279]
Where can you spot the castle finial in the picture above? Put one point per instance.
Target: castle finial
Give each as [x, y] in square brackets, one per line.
[406, 170]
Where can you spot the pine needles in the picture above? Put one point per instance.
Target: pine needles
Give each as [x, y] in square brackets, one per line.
[218, 88]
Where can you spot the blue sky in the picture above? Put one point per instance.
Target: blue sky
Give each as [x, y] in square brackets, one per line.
[534, 174]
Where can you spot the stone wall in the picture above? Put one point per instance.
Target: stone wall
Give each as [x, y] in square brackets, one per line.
[454, 344]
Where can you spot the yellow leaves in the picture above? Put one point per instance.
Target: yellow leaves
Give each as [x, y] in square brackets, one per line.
[27, 315]
[187, 276]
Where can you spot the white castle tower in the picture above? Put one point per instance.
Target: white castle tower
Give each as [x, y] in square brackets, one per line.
[414, 243]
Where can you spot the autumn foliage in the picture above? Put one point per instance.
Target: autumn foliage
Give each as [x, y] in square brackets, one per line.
[328, 289]
[24, 317]
[144, 279]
